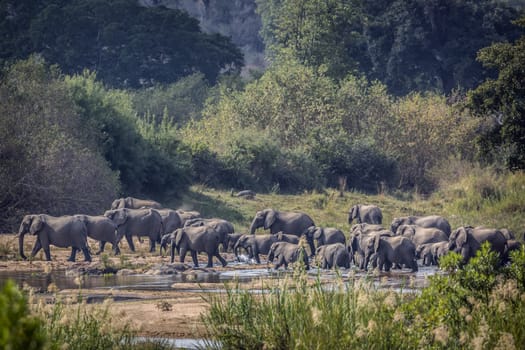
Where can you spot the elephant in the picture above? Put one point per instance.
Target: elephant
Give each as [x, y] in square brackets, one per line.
[325, 235]
[187, 215]
[102, 229]
[421, 235]
[260, 244]
[358, 244]
[287, 253]
[134, 203]
[232, 238]
[432, 252]
[138, 222]
[223, 227]
[333, 255]
[295, 223]
[63, 231]
[389, 251]
[423, 221]
[195, 240]
[370, 214]
[366, 228]
[467, 240]
[512, 245]
[171, 220]
[247, 194]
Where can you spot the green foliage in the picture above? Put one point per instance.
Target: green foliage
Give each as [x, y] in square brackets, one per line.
[502, 101]
[18, 328]
[129, 45]
[50, 162]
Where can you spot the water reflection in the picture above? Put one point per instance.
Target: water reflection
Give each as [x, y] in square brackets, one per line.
[396, 279]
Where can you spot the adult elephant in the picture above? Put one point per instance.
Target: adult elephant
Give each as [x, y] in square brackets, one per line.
[369, 214]
[134, 203]
[295, 223]
[138, 222]
[325, 235]
[186, 215]
[194, 240]
[287, 253]
[422, 221]
[223, 227]
[421, 235]
[333, 255]
[101, 229]
[358, 244]
[260, 244]
[171, 220]
[467, 240]
[63, 232]
[365, 228]
[396, 250]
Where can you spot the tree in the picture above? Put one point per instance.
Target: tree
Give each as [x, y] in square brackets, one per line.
[128, 45]
[503, 100]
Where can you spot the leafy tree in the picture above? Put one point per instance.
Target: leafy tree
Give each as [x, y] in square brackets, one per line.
[127, 44]
[49, 163]
[316, 33]
[503, 99]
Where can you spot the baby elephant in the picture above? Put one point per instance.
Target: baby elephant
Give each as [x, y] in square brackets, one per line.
[287, 253]
[333, 255]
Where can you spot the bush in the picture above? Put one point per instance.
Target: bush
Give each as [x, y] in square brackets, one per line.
[18, 329]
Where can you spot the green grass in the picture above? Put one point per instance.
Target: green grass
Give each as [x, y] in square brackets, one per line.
[480, 306]
[480, 198]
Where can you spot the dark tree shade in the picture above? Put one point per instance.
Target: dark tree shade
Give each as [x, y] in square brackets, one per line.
[127, 44]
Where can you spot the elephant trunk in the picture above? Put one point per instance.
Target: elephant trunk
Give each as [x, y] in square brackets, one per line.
[21, 244]
[236, 251]
[253, 227]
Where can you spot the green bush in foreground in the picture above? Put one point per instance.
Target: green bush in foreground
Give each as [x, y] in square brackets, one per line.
[480, 306]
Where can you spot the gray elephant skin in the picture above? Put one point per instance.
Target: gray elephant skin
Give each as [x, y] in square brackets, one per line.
[325, 235]
[332, 256]
[186, 215]
[421, 235]
[365, 228]
[134, 203]
[430, 253]
[63, 232]
[423, 221]
[223, 227]
[102, 229]
[171, 220]
[137, 222]
[232, 239]
[260, 244]
[390, 251]
[369, 214]
[359, 243]
[200, 239]
[287, 253]
[295, 223]
[467, 240]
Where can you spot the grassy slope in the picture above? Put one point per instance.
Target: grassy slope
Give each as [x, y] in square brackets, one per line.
[329, 209]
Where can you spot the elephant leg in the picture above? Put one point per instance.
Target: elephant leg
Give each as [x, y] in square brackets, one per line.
[129, 238]
[73, 255]
[210, 260]
[36, 247]
[256, 255]
[196, 261]
[221, 259]
[44, 241]
[151, 245]
[101, 245]
[182, 254]
[172, 252]
[87, 256]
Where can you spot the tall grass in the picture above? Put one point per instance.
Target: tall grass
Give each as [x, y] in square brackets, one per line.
[481, 306]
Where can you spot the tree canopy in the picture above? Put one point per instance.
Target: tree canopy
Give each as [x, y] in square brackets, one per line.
[128, 45]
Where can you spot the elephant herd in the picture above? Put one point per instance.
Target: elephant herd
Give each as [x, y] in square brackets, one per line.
[293, 236]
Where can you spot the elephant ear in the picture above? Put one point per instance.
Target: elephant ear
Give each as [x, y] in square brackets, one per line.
[461, 238]
[120, 216]
[37, 224]
[179, 233]
[377, 243]
[318, 233]
[269, 219]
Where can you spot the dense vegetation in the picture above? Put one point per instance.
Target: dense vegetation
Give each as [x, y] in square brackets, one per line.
[74, 134]
[478, 307]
